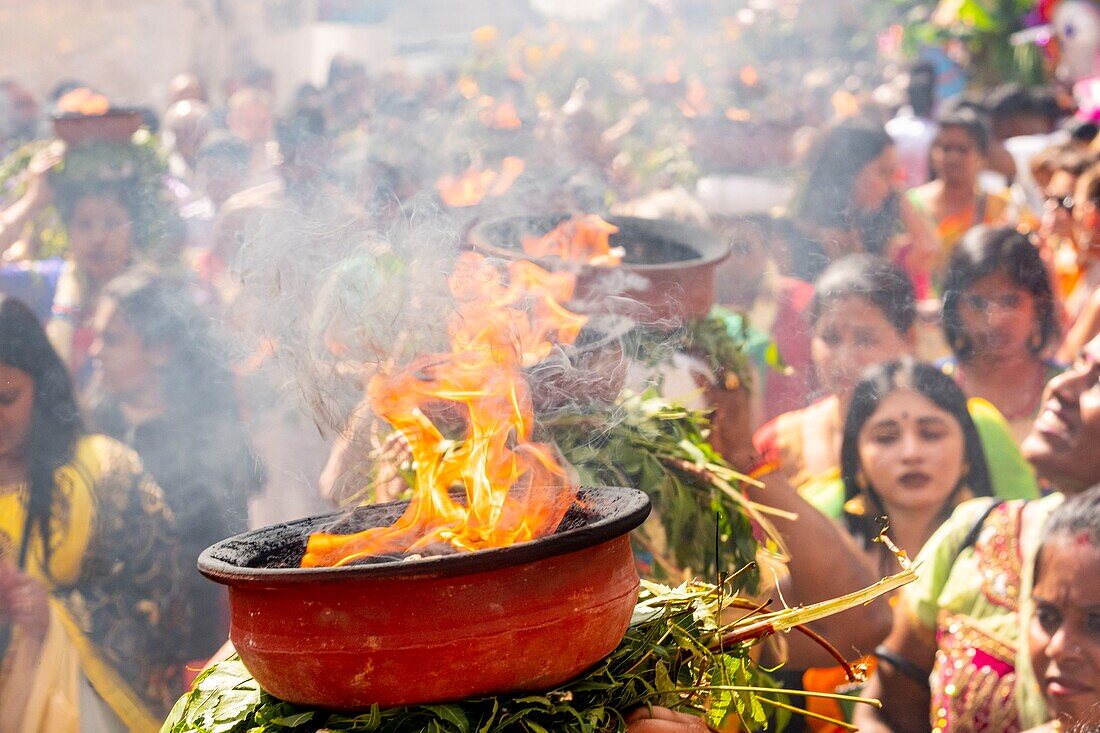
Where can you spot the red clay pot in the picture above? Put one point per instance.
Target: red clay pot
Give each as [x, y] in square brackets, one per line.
[666, 277]
[524, 618]
[116, 125]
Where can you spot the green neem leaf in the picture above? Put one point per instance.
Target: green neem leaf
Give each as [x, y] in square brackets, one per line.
[292, 721]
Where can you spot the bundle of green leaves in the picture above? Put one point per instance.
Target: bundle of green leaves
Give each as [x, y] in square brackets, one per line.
[644, 442]
[670, 656]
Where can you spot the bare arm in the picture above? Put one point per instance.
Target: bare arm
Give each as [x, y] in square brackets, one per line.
[663, 720]
[906, 701]
[824, 563]
[14, 218]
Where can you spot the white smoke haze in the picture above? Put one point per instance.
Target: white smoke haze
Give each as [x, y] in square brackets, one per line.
[634, 107]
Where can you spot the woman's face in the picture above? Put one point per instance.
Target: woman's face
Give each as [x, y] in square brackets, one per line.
[998, 316]
[1064, 633]
[124, 363]
[912, 452]
[1063, 441]
[875, 181]
[955, 157]
[99, 232]
[851, 335]
[16, 409]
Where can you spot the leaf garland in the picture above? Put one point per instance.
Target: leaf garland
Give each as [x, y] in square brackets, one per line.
[666, 658]
[679, 652]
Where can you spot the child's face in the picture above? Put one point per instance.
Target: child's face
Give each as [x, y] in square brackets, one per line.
[1064, 632]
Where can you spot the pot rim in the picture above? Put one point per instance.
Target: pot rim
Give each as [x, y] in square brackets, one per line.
[635, 507]
[111, 113]
[709, 246]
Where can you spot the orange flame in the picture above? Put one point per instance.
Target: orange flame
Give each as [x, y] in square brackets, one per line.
[515, 489]
[474, 185]
[580, 239]
[84, 101]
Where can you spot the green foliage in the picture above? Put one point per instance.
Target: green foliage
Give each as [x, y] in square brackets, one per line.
[666, 658]
[660, 448]
[985, 28]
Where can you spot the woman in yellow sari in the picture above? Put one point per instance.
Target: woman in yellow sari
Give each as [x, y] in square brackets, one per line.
[90, 607]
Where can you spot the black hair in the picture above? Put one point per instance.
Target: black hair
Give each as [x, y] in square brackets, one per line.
[224, 146]
[1082, 131]
[150, 120]
[969, 122]
[1009, 99]
[921, 90]
[63, 87]
[56, 425]
[1045, 102]
[200, 399]
[879, 382]
[985, 251]
[872, 278]
[1073, 160]
[303, 127]
[125, 191]
[1078, 514]
[841, 153]
[197, 379]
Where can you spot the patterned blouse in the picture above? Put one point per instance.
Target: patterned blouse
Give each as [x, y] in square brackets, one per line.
[112, 568]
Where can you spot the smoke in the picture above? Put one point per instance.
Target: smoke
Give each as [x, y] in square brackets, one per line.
[346, 271]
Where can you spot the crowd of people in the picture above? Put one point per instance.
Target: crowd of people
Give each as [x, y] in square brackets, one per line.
[932, 287]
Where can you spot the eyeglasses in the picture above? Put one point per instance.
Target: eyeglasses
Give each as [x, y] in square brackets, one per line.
[1059, 202]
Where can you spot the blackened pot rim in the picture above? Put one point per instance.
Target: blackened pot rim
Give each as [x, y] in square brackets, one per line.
[633, 507]
[709, 247]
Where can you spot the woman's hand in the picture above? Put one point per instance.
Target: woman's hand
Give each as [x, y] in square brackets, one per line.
[663, 720]
[39, 193]
[24, 601]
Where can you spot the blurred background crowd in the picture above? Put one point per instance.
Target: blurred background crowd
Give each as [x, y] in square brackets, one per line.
[187, 244]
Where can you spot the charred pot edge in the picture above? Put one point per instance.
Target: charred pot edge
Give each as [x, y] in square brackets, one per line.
[708, 247]
[618, 511]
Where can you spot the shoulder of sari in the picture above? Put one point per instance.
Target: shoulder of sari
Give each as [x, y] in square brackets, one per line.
[916, 200]
[779, 442]
[825, 492]
[1011, 476]
[937, 559]
[997, 203]
[128, 600]
[1029, 698]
